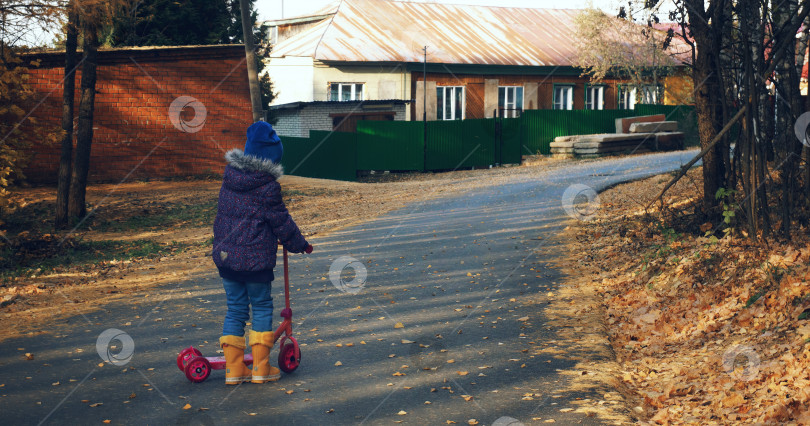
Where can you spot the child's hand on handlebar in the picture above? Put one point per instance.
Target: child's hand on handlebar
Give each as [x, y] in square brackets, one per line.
[308, 250]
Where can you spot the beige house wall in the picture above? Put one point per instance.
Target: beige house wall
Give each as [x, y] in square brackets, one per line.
[419, 102]
[290, 76]
[379, 82]
[490, 97]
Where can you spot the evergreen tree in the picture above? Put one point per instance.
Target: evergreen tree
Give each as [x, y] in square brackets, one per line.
[171, 23]
[187, 22]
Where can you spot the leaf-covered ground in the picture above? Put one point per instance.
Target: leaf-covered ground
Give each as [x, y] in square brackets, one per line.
[706, 330]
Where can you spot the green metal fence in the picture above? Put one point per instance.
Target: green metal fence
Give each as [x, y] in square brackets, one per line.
[390, 145]
[545, 125]
[460, 144]
[512, 133]
[450, 145]
[326, 155]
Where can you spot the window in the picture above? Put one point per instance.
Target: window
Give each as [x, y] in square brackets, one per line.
[510, 101]
[346, 92]
[649, 94]
[450, 103]
[627, 97]
[594, 97]
[563, 97]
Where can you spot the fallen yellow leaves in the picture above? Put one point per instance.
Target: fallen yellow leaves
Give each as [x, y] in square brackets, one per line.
[733, 400]
[709, 330]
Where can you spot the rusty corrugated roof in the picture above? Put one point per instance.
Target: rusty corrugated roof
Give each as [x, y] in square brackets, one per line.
[394, 31]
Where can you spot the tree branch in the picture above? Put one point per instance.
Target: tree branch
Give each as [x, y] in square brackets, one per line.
[685, 168]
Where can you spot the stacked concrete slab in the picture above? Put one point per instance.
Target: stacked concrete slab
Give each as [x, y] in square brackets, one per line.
[585, 146]
[633, 135]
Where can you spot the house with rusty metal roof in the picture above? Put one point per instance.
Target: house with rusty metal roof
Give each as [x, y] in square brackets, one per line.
[478, 62]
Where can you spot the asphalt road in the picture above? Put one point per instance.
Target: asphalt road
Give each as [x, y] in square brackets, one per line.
[457, 274]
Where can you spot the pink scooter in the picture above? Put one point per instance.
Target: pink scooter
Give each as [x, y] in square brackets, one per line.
[197, 367]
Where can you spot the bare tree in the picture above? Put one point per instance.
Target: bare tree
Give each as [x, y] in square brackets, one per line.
[68, 93]
[614, 47]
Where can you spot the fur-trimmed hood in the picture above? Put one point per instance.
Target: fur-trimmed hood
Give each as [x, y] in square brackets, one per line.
[237, 159]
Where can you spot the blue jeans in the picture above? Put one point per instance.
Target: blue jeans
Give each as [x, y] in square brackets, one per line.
[241, 296]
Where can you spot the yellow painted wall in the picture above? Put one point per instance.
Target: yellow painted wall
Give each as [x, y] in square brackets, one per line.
[679, 90]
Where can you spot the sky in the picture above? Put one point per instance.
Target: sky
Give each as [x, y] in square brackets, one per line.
[272, 9]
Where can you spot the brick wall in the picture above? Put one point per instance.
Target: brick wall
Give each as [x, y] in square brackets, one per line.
[288, 123]
[134, 133]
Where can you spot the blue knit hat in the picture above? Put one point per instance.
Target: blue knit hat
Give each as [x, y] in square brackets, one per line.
[263, 142]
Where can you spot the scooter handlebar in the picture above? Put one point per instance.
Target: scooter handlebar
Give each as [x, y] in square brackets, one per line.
[307, 250]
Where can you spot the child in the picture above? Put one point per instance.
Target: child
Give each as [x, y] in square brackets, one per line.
[251, 218]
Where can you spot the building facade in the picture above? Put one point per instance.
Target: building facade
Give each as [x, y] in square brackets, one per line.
[478, 62]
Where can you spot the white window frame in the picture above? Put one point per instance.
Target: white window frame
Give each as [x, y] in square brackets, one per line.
[568, 91]
[627, 97]
[514, 108]
[592, 93]
[354, 94]
[452, 114]
[649, 94]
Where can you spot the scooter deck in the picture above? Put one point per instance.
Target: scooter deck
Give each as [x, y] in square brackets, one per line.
[218, 362]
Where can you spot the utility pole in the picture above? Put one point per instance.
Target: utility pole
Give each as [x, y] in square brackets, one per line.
[424, 110]
[250, 58]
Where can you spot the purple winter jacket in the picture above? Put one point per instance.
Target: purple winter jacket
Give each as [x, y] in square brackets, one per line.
[251, 217]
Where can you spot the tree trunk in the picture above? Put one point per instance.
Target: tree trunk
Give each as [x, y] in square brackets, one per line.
[789, 107]
[68, 94]
[250, 54]
[803, 54]
[84, 138]
[708, 96]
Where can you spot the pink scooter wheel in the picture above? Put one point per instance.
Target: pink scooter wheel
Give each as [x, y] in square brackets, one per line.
[289, 356]
[187, 355]
[198, 369]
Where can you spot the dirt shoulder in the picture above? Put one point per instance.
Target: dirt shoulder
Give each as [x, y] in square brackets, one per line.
[705, 329]
[144, 234]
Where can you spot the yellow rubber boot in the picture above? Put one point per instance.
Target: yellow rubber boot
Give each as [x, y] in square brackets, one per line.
[236, 371]
[260, 344]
